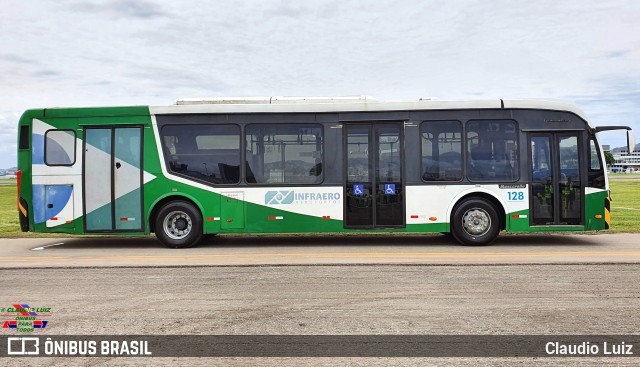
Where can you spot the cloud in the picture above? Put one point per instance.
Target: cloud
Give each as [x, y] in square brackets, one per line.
[46, 74]
[123, 52]
[288, 8]
[16, 59]
[121, 8]
[618, 54]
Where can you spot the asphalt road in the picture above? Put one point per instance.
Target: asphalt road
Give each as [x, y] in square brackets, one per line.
[540, 284]
[320, 250]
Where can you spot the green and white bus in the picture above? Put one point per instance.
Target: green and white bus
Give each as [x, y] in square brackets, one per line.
[312, 165]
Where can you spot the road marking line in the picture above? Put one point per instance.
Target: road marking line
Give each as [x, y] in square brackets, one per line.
[40, 248]
[346, 255]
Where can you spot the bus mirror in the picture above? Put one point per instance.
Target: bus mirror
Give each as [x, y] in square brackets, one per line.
[631, 142]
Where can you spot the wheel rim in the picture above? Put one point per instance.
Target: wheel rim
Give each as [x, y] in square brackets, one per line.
[177, 225]
[476, 222]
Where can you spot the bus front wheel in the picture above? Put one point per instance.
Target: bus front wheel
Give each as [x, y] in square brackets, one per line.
[475, 221]
[179, 224]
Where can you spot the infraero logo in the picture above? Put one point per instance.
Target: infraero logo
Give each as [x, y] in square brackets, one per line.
[279, 197]
[304, 198]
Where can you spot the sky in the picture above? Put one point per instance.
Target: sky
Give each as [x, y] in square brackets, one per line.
[125, 52]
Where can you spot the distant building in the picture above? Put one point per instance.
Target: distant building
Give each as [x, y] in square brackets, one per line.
[626, 163]
[606, 148]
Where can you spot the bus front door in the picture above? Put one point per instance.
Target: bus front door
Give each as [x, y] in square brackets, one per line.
[113, 179]
[556, 193]
[374, 192]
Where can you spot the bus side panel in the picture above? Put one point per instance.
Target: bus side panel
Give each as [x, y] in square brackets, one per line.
[294, 209]
[56, 163]
[596, 207]
[232, 210]
[51, 164]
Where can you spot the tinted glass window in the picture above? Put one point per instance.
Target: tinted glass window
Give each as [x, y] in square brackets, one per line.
[596, 170]
[60, 147]
[208, 153]
[594, 157]
[358, 155]
[492, 148]
[542, 181]
[284, 153]
[441, 150]
[389, 156]
[24, 137]
[569, 180]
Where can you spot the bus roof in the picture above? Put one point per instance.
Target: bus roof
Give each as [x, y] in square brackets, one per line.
[306, 105]
[350, 104]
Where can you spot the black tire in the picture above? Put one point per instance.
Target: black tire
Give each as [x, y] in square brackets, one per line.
[179, 224]
[475, 222]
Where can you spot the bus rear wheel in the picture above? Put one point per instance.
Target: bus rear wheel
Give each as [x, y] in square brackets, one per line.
[179, 224]
[475, 222]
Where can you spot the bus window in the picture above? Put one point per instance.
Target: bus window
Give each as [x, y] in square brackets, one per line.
[389, 155]
[25, 137]
[60, 147]
[284, 153]
[441, 150]
[594, 157]
[208, 153]
[596, 171]
[542, 168]
[358, 155]
[569, 184]
[492, 150]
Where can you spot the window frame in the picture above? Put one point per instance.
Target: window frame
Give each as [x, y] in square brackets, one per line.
[421, 171]
[594, 174]
[75, 143]
[467, 161]
[167, 153]
[593, 141]
[286, 184]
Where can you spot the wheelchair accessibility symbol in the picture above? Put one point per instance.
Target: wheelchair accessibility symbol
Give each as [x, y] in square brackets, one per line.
[358, 189]
[390, 189]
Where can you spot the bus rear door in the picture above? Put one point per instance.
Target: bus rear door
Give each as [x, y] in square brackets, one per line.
[113, 179]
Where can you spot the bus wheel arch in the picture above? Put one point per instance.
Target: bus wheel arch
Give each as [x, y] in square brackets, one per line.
[477, 219]
[177, 221]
